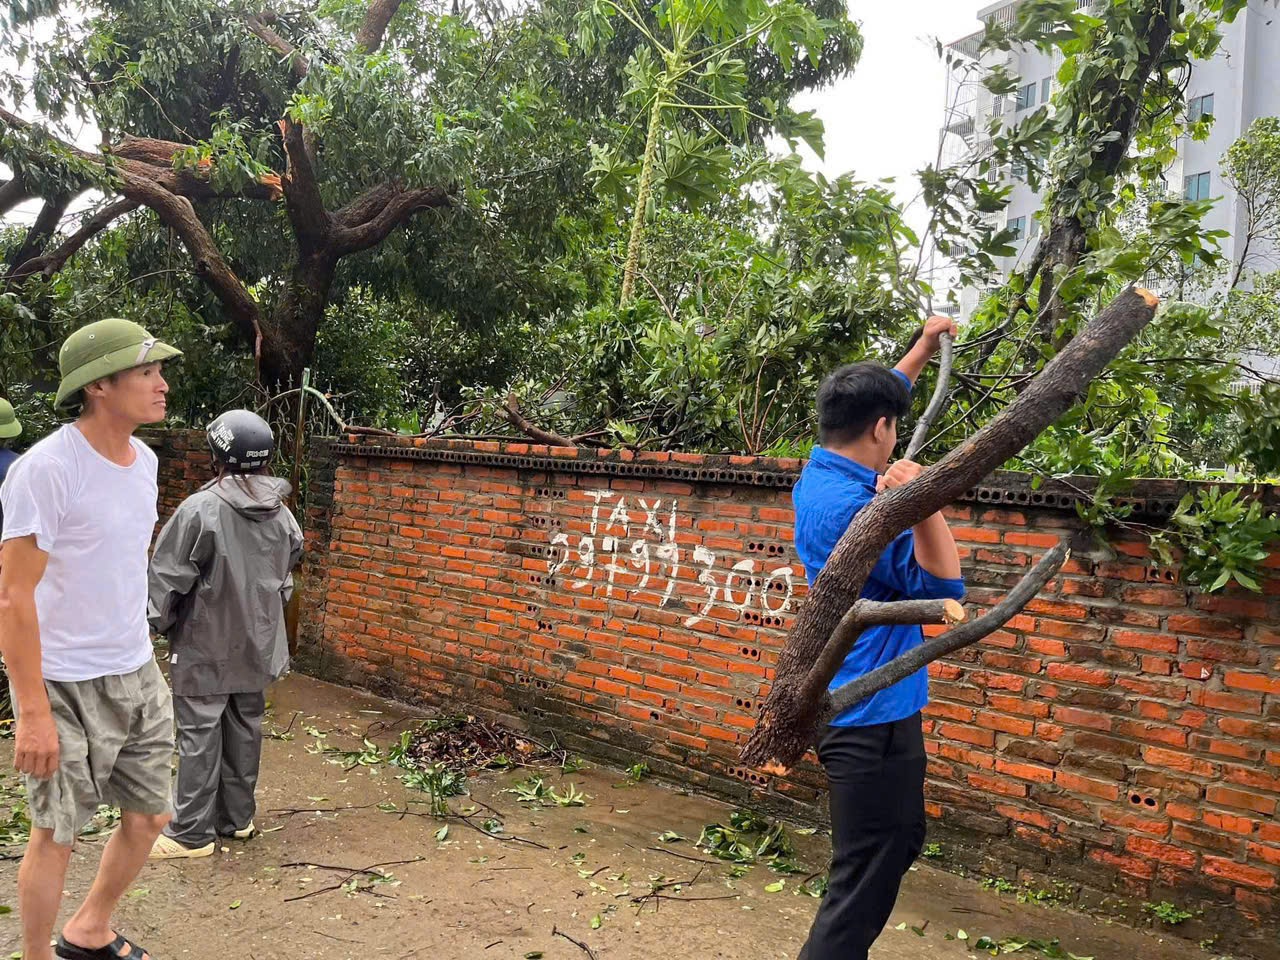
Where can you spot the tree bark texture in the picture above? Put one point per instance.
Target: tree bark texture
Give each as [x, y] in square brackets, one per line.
[955, 639]
[1064, 242]
[794, 705]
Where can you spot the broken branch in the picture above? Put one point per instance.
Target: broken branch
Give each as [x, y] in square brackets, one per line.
[577, 943]
[793, 709]
[908, 663]
[511, 413]
[873, 613]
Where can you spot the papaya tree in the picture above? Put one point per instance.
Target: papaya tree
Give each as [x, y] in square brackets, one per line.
[692, 62]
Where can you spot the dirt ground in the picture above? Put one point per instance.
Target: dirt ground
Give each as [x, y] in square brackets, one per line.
[469, 895]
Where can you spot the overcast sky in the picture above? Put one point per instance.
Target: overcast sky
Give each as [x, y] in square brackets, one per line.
[883, 119]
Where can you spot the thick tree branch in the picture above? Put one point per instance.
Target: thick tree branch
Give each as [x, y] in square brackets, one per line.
[312, 224]
[52, 262]
[44, 227]
[259, 26]
[153, 159]
[401, 206]
[366, 206]
[970, 633]
[177, 213]
[872, 613]
[372, 32]
[511, 413]
[794, 704]
[12, 193]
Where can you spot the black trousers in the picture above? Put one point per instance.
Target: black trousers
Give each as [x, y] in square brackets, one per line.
[876, 777]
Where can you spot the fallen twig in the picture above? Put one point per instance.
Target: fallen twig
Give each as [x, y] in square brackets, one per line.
[672, 853]
[281, 734]
[577, 943]
[371, 870]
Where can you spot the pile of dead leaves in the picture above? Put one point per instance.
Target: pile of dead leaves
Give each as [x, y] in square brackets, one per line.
[468, 743]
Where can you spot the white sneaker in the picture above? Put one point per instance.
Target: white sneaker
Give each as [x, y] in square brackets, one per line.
[248, 833]
[167, 848]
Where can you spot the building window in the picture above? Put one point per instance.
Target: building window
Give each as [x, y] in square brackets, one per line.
[993, 174]
[1196, 186]
[1026, 97]
[1018, 225]
[1046, 89]
[997, 107]
[1033, 228]
[1018, 171]
[1199, 107]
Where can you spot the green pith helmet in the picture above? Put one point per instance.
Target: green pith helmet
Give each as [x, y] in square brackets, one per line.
[10, 426]
[103, 348]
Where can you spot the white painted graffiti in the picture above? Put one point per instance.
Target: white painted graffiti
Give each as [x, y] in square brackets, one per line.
[654, 555]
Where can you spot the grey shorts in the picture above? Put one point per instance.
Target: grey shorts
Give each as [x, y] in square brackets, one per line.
[115, 746]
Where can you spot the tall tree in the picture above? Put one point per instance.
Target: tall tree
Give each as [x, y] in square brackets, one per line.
[1252, 168]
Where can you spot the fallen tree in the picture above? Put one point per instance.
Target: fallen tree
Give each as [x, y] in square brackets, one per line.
[815, 648]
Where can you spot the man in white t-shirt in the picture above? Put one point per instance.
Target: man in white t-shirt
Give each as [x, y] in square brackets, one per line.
[94, 716]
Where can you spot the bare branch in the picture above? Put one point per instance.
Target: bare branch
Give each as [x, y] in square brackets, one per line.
[258, 26]
[366, 206]
[12, 193]
[970, 633]
[44, 227]
[511, 413]
[52, 262]
[872, 613]
[939, 398]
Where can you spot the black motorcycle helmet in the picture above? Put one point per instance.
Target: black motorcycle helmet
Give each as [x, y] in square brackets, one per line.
[241, 441]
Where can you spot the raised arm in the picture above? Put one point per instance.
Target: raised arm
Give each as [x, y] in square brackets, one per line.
[919, 355]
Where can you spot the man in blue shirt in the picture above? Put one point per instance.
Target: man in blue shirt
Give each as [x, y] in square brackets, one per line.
[873, 752]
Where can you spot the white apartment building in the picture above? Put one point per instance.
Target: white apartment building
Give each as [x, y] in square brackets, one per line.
[1240, 84]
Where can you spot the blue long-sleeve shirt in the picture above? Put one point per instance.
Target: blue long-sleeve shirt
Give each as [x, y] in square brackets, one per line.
[830, 492]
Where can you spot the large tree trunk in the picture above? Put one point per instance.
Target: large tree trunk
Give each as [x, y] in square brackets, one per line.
[289, 341]
[810, 659]
[1065, 239]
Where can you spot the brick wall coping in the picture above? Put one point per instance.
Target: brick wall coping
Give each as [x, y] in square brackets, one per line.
[1150, 498]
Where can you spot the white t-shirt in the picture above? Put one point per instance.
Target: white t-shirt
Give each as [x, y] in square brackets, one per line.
[95, 520]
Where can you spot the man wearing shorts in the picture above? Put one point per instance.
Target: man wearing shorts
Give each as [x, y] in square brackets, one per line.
[94, 716]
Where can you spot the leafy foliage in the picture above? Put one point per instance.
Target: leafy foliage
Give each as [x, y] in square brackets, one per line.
[1222, 536]
[750, 838]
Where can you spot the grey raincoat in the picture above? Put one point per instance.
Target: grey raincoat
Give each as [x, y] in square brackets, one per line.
[221, 573]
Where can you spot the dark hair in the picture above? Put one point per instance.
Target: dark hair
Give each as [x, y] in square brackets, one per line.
[241, 479]
[854, 398]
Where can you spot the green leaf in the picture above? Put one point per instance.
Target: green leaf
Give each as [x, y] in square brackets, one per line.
[443, 832]
[775, 887]
[234, 905]
[596, 922]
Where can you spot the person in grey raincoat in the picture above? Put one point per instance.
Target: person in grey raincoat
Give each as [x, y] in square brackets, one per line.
[221, 574]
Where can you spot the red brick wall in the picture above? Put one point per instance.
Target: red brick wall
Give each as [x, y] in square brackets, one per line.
[1121, 737]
